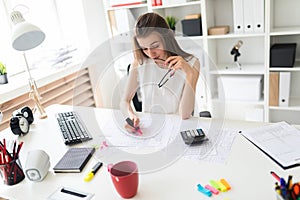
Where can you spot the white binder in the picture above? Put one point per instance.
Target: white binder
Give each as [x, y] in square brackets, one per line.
[249, 16]
[258, 18]
[238, 16]
[284, 88]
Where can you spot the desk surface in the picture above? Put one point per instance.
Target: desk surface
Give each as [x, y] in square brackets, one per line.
[247, 169]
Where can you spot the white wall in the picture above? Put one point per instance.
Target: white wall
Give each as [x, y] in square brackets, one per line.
[95, 22]
[98, 39]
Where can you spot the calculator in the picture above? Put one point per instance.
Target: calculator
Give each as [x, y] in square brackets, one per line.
[193, 136]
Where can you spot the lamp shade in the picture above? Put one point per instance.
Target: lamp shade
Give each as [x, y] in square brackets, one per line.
[25, 36]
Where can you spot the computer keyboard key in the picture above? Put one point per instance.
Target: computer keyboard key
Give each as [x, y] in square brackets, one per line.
[72, 128]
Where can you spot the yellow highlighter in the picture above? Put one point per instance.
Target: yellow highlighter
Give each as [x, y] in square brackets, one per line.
[92, 173]
[222, 187]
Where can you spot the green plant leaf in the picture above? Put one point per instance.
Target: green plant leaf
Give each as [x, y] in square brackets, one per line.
[171, 21]
[2, 69]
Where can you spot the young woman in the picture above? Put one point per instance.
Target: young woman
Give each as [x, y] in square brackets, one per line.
[156, 53]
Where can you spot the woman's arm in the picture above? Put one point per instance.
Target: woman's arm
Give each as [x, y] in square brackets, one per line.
[187, 102]
[130, 90]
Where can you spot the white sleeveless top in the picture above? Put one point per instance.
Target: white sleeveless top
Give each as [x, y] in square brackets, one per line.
[163, 99]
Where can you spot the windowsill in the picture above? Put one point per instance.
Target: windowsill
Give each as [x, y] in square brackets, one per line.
[18, 85]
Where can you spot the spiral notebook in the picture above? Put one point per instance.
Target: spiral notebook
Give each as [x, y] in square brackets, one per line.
[74, 160]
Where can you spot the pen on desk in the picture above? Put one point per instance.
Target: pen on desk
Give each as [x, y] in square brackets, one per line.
[289, 182]
[130, 123]
[283, 187]
[277, 188]
[275, 176]
[92, 173]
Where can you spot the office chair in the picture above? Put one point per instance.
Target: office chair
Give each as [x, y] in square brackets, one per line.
[136, 103]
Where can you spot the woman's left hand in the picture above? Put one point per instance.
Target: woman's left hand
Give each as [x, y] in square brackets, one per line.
[177, 62]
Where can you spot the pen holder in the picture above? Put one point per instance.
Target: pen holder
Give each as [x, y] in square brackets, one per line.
[12, 172]
[279, 197]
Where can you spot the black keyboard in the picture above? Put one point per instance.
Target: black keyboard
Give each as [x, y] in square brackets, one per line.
[72, 128]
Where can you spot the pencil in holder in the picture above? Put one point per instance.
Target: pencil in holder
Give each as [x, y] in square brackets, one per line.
[12, 172]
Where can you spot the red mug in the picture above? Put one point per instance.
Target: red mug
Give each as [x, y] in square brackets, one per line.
[125, 178]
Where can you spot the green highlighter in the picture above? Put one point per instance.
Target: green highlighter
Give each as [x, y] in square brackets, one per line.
[215, 184]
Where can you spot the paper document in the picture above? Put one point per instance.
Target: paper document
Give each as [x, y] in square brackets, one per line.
[156, 131]
[280, 141]
[215, 150]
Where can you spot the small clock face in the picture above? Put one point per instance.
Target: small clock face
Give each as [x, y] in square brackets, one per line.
[25, 114]
[24, 126]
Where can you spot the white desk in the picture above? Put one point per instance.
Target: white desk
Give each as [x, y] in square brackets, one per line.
[247, 169]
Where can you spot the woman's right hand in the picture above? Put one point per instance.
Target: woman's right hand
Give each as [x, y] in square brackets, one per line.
[136, 122]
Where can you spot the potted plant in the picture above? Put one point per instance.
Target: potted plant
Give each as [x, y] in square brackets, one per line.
[171, 22]
[3, 74]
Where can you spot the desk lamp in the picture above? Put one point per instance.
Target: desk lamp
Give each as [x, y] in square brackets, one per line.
[26, 36]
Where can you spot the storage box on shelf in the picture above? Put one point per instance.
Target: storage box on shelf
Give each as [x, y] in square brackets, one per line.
[191, 27]
[242, 88]
[218, 30]
[283, 55]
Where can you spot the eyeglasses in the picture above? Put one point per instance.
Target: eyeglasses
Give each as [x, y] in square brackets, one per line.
[164, 79]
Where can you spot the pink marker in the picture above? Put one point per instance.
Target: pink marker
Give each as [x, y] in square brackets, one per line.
[105, 144]
[137, 129]
[212, 189]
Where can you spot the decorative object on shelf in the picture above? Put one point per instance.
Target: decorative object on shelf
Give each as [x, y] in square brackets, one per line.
[191, 25]
[26, 36]
[171, 22]
[218, 30]
[236, 53]
[3, 74]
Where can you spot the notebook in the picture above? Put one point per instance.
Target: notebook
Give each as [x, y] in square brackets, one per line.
[74, 160]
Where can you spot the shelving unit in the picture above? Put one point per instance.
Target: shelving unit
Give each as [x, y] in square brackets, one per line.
[281, 25]
[284, 27]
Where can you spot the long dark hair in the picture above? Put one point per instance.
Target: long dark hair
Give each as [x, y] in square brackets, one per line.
[148, 23]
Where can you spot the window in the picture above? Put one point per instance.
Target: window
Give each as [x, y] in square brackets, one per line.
[62, 21]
